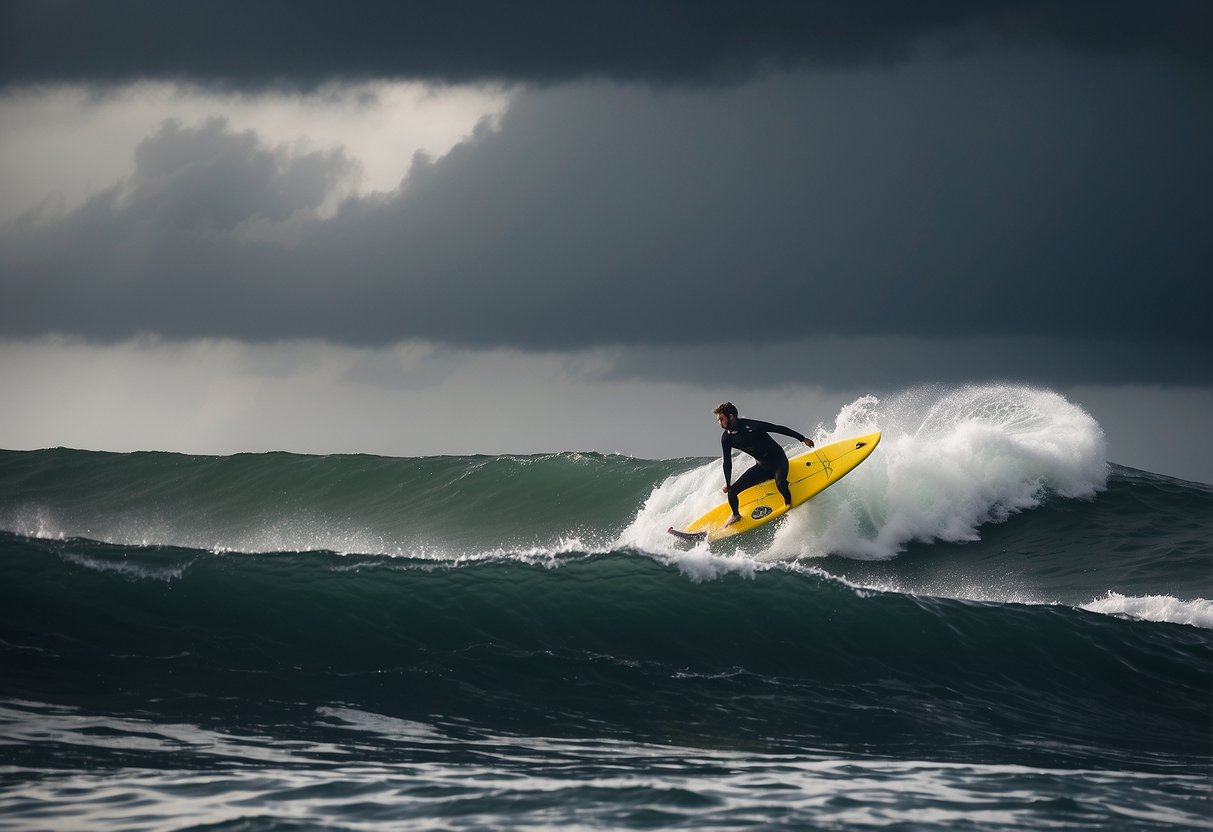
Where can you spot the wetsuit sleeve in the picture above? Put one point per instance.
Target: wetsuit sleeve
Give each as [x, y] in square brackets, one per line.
[780, 429]
[727, 447]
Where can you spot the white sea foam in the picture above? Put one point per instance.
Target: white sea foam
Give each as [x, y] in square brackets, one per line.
[129, 569]
[1196, 613]
[949, 461]
[701, 565]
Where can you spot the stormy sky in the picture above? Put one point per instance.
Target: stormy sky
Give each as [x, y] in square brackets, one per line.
[230, 226]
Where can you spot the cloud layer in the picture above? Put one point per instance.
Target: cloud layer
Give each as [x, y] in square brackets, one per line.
[304, 43]
[1018, 196]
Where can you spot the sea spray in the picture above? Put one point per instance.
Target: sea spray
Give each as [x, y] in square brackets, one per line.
[949, 462]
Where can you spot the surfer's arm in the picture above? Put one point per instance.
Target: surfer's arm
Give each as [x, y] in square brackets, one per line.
[780, 429]
[728, 460]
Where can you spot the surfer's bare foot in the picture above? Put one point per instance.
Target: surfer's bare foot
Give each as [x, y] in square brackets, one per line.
[732, 520]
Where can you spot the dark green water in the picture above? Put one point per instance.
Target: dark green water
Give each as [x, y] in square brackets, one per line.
[290, 642]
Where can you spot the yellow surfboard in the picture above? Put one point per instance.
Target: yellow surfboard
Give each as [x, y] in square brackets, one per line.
[809, 474]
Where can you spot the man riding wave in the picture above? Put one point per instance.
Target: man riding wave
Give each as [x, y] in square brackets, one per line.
[752, 437]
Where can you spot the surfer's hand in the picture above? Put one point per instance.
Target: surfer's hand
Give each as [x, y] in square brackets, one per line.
[725, 490]
[808, 441]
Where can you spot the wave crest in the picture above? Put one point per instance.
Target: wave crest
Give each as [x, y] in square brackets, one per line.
[1163, 608]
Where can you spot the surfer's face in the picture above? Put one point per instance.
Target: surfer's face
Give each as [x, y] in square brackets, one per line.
[726, 420]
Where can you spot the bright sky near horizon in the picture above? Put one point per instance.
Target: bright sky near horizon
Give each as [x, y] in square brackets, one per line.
[582, 227]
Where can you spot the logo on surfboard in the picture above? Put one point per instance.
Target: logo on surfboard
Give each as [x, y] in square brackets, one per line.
[760, 512]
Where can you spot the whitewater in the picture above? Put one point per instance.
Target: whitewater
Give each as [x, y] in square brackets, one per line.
[987, 624]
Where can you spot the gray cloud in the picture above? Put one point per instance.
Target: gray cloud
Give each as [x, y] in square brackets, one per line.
[1032, 197]
[214, 179]
[304, 43]
[191, 243]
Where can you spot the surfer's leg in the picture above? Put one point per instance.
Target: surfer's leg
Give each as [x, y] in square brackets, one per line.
[781, 481]
[753, 476]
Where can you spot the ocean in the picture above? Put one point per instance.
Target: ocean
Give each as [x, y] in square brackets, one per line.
[987, 625]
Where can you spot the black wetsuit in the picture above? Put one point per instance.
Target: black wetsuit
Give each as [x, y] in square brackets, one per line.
[751, 437]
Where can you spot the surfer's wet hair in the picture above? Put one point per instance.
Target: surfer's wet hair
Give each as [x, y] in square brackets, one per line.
[727, 408]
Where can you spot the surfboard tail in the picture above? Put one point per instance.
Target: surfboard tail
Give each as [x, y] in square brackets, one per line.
[690, 537]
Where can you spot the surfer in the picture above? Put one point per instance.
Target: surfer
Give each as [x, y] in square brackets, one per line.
[752, 437]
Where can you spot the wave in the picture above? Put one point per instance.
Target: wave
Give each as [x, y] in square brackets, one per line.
[950, 461]
[616, 640]
[435, 507]
[991, 493]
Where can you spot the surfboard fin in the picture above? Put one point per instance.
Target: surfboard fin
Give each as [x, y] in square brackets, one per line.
[690, 537]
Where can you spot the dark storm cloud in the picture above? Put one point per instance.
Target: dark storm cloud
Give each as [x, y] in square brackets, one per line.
[1022, 197]
[302, 43]
[214, 179]
[179, 247]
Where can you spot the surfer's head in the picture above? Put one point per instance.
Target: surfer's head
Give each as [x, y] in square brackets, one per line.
[726, 414]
